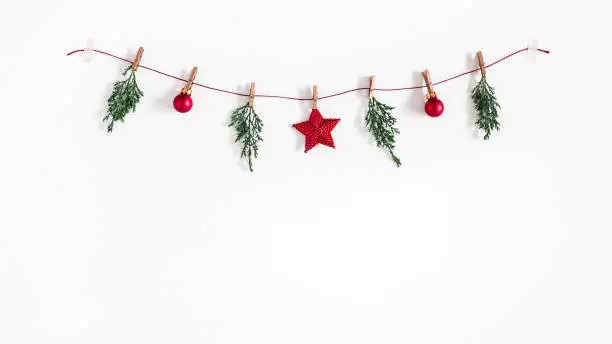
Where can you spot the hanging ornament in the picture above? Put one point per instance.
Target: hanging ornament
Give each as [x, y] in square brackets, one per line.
[485, 102]
[183, 102]
[433, 106]
[248, 128]
[381, 124]
[317, 129]
[125, 95]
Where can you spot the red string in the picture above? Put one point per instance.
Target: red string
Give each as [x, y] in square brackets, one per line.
[324, 97]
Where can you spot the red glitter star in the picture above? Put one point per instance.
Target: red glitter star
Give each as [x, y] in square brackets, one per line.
[317, 130]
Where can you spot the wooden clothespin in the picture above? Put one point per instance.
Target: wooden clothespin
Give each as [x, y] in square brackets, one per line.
[187, 89]
[532, 49]
[315, 95]
[88, 51]
[372, 80]
[252, 94]
[481, 63]
[137, 59]
[430, 91]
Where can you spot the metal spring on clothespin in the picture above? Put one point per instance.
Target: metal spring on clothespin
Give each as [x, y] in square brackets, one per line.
[137, 59]
[252, 94]
[187, 89]
[372, 80]
[430, 90]
[481, 63]
[315, 95]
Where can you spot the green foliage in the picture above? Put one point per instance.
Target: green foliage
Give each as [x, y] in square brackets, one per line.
[381, 124]
[124, 98]
[248, 131]
[486, 106]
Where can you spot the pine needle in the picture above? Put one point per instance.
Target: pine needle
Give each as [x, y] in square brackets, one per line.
[381, 124]
[486, 106]
[124, 99]
[248, 131]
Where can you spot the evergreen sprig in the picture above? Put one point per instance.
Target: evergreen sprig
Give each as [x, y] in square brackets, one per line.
[248, 131]
[381, 124]
[486, 106]
[124, 98]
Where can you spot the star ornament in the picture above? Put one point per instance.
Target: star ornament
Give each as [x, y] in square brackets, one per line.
[317, 130]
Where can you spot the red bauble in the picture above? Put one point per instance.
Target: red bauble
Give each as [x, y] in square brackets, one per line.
[182, 102]
[434, 107]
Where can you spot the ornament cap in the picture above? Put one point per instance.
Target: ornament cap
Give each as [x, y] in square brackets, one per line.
[481, 63]
[138, 58]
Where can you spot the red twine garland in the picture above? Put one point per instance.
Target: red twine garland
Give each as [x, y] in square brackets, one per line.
[324, 97]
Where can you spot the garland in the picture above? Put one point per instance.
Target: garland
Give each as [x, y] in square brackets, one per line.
[379, 121]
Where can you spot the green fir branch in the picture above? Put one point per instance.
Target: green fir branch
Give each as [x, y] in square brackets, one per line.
[381, 124]
[124, 98]
[248, 131]
[486, 106]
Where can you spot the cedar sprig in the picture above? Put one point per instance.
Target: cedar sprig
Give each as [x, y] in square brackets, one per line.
[381, 124]
[248, 131]
[124, 98]
[486, 106]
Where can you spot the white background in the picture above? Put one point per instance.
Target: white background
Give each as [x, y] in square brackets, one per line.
[158, 234]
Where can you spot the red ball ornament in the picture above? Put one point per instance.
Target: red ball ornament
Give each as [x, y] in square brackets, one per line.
[434, 107]
[183, 103]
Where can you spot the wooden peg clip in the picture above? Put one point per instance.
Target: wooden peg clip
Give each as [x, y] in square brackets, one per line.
[187, 89]
[481, 63]
[315, 95]
[372, 80]
[252, 94]
[430, 91]
[194, 71]
[137, 59]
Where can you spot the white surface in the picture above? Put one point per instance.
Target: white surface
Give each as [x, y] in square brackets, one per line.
[157, 234]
